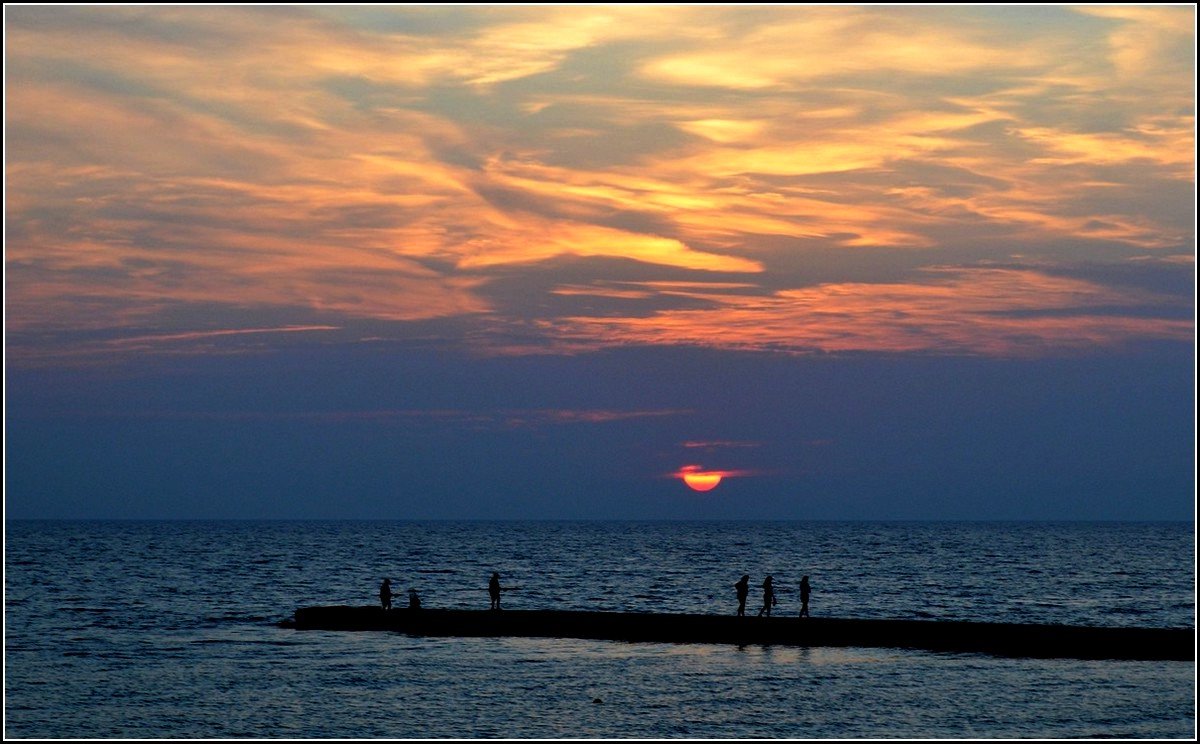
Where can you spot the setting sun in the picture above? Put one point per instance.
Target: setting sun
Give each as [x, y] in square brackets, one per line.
[699, 479]
[702, 481]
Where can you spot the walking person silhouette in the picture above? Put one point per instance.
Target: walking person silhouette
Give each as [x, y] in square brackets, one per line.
[743, 590]
[769, 600]
[805, 590]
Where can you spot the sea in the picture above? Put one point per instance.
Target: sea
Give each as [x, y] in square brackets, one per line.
[151, 630]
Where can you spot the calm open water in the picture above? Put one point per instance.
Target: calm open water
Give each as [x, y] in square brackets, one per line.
[167, 630]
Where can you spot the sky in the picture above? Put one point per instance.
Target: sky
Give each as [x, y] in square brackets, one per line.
[583, 262]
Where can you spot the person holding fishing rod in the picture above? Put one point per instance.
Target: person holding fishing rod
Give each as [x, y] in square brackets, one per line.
[494, 590]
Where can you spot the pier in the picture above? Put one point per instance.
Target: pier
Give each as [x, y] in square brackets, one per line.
[999, 639]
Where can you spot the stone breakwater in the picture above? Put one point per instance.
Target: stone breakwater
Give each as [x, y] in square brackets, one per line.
[999, 639]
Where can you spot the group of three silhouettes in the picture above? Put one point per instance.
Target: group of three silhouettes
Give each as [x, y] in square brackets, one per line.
[769, 600]
[414, 602]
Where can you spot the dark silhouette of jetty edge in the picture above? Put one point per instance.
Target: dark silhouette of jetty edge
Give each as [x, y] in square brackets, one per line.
[1000, 639]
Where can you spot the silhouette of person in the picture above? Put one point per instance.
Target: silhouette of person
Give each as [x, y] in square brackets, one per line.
[805, 590]
[743, 590]
[414, 602]
[385, 594]
[768, 597]
[494, 590]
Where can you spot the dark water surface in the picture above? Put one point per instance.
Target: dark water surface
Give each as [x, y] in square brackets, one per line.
[167, 629]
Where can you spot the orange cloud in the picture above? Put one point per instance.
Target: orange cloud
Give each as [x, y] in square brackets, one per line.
[527, 243]
[996, 312]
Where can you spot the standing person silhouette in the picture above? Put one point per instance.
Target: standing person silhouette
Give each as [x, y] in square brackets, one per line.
[805, 590]
[494, 590]
[385, 594]
[743, 590]
[769, 600]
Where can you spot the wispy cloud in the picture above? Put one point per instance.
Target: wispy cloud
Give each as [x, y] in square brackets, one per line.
[719, 444]
[199, 335]
[995, 311]
[504, 419]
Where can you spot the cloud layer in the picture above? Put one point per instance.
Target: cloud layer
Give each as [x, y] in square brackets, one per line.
[962, 180]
